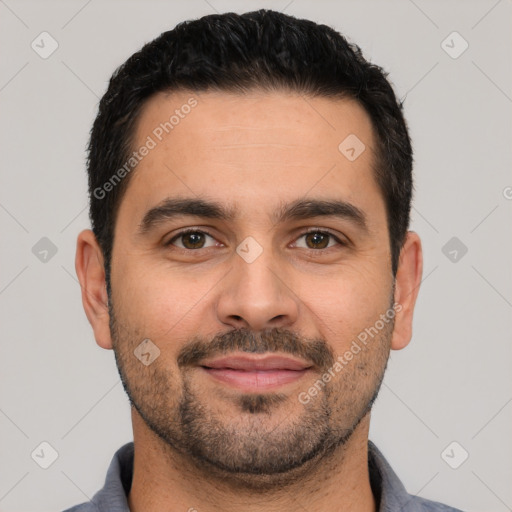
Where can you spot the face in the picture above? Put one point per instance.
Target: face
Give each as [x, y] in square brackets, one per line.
[287, 253]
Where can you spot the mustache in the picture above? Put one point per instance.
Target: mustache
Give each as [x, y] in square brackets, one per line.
[313, 350]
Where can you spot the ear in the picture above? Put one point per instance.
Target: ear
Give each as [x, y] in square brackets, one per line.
[407, 284]
[90, 269]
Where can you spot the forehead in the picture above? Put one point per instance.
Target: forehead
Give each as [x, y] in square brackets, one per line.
[265, 147]
[219, 120]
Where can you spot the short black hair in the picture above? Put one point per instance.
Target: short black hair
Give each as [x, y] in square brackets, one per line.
[261, 50]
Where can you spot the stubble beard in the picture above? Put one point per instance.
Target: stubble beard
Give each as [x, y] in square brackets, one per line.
[253, 450]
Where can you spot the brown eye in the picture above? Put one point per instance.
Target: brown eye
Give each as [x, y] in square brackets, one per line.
[317, 240]
[192, 239]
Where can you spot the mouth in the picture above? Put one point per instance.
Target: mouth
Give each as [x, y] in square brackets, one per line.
[250, 373]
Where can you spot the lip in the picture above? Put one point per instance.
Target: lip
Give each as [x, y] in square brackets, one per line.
[255, 380]
[249, 373]
[252, 363]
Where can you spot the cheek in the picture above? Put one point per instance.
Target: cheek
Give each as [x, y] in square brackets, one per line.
[158, 301]
[351, 302]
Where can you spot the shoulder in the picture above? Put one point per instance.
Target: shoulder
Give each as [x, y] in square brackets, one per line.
[83, 507]
[391, 493]
[113, 496]
[423, 505]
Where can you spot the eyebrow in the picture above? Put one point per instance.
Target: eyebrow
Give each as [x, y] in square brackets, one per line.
[301, 209]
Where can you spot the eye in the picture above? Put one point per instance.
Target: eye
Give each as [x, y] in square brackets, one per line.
[191, 239]
[314, 239]
[317, 239]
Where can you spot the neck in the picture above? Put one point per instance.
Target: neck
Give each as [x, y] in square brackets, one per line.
[165, 479]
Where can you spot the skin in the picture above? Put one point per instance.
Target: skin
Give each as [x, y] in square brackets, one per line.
[199, 443]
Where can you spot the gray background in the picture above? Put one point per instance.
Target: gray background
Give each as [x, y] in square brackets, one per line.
[452, 383]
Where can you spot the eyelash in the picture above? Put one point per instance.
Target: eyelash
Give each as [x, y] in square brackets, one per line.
[309, 231]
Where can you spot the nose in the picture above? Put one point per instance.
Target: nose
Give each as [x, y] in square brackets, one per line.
[257, 295]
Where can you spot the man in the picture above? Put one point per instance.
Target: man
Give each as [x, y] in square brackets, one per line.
[250, 265]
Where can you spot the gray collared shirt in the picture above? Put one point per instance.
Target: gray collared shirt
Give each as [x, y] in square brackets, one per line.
[389, 492]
